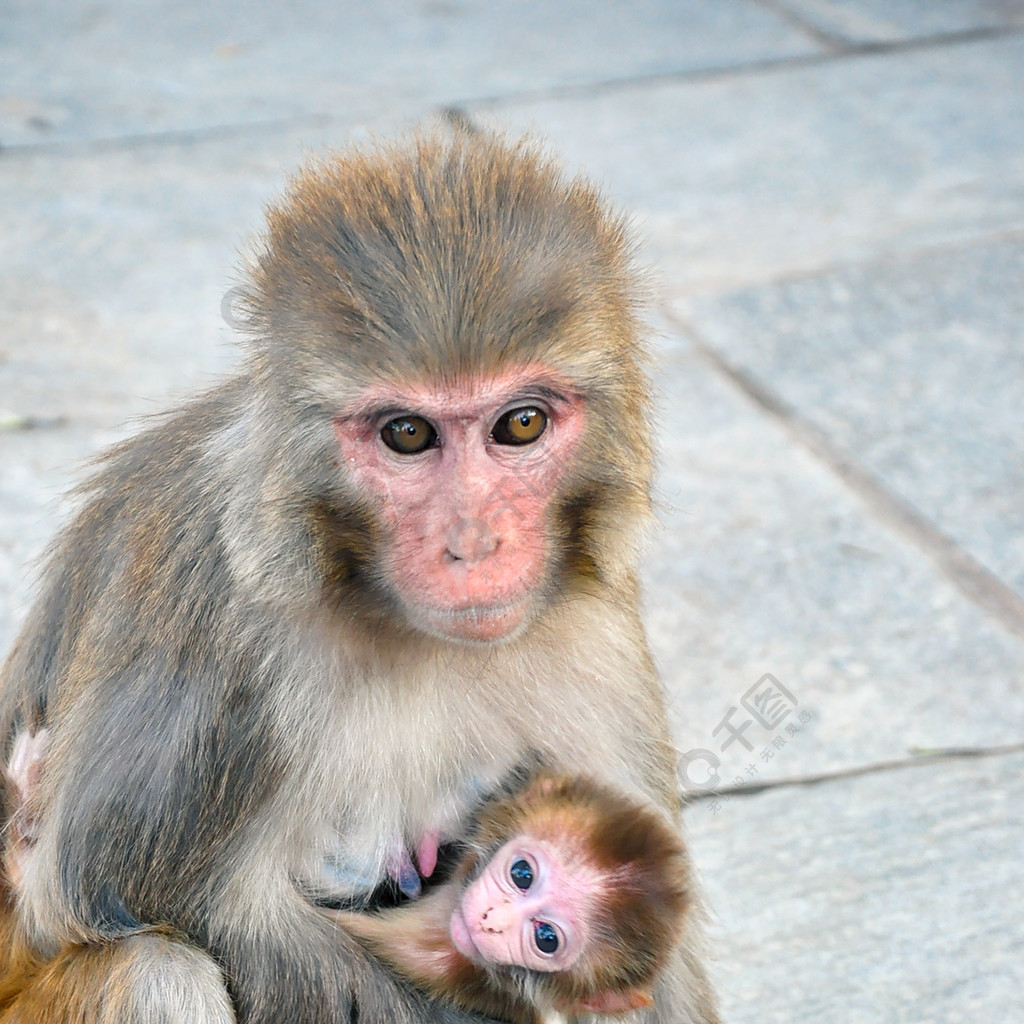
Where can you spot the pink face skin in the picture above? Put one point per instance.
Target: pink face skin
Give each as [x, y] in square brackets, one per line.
[467, 515]
[499, 922]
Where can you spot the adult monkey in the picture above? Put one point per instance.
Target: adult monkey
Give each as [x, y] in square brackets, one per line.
[307, 619]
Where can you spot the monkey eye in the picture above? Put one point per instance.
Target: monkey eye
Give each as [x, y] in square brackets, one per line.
[521, 874]
[408, 435]
[545, 937]
[520, 426]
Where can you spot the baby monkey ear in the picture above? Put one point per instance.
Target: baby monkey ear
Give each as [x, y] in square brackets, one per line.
[611, 1001]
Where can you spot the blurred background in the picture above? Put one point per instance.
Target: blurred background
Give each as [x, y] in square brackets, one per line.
[829, 196]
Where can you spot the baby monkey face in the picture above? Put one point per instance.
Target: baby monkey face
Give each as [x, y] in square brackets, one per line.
[530, 907]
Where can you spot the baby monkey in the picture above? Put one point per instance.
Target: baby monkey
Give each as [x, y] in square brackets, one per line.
[570, 898]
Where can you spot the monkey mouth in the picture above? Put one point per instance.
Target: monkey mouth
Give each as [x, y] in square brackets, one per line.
[461, 937]
[480, 623]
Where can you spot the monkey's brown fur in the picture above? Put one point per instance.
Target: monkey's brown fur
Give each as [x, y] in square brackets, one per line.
[234, 693]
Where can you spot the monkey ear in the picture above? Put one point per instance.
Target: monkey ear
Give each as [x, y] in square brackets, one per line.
[610, 1001]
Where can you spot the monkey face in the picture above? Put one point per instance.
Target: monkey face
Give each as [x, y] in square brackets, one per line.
[529, 907]
[456, 311]
[464, 476]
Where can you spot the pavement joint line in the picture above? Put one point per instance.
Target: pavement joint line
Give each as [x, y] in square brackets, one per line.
[168, 137]
[313, 119]
[969, 576]
[766, 66]
[947, 755]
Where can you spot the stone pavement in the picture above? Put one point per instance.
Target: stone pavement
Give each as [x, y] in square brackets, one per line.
[831, 194]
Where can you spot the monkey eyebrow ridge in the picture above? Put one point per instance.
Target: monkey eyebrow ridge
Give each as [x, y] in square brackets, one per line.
[393, 406]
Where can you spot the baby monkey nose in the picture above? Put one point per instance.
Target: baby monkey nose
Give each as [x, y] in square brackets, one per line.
[494, 920]
[470, 540]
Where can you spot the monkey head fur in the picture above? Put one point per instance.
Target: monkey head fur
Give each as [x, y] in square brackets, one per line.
[445, 267]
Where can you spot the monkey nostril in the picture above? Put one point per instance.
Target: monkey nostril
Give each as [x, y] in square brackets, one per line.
[470, 540]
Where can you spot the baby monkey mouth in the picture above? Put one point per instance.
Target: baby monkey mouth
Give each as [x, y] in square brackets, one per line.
[460, 934]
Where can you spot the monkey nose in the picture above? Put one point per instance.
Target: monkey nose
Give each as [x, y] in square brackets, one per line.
[493, 920]
[470, 540]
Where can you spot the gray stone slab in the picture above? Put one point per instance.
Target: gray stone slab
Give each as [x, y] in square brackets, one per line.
[136, 68]
[889, 899]
[766, 564]
[753, 177]
[887, 21]
[914, 367]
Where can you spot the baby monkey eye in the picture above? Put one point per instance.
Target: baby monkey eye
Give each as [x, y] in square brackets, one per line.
[520, 426]
[408, 435]
[545, 937]
[522, 875]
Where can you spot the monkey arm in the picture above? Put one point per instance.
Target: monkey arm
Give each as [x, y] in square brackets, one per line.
[414, 940]
[152, 821]
[307, 968]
